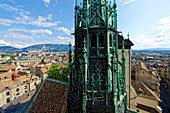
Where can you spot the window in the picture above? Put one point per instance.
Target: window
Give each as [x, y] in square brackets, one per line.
[93, 40]
[17, 89]
[79, 42]
[8, 100]
[17, 93]
[111, 39]
[101, 40]
[7, 93]
[35, 84]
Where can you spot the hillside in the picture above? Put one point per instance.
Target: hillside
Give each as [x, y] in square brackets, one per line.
[41, 47]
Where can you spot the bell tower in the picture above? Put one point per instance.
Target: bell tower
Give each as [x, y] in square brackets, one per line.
[97, 77]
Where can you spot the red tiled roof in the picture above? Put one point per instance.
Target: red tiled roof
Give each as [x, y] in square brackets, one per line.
[143, 91]
[7, 67]
[52, 98]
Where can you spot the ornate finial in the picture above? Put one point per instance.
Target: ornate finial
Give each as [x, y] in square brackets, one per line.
[128, 35]
[70, 59]
[121, 34]
[76, 2]
[76, 6]
[114, 4]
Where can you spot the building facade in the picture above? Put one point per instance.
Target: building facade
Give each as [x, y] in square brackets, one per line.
[149, 77]
[12, 86]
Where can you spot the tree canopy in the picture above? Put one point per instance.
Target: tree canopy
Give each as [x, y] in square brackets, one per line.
[59, 72]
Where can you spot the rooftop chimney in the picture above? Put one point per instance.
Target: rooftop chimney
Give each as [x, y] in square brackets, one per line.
[14, 76]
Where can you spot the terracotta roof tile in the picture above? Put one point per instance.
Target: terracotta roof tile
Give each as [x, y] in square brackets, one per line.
[142, 90]
[19, 80]
[7, 67]
[52, 98]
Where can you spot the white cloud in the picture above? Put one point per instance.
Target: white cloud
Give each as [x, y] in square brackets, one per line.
[41, 31]
[65, 30]
[158, 40]
[63, 40]
[23, 17]
[8, 7]
[61, 11]
[126, 2]
[2, 42]
[163, 27]
[17, 45]
[43, 21]
[129, 1]
[40, 21]
[33, 32]
[46, 2]
[12, 1]
[17, 9]
[61, 37]
[163, 24]
[6, 22]
[150, 41]
[19, 36]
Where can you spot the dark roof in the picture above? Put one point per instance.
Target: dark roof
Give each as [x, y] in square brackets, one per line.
[127, 42]
[51, 98]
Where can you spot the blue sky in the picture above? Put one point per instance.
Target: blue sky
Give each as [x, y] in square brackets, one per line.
[28, 22]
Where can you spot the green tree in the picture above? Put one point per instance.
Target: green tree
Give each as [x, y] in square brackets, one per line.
[59, 72]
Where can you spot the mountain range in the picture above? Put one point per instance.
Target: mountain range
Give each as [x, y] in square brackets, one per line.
[153, 50]
[40, 47]
[59, 48]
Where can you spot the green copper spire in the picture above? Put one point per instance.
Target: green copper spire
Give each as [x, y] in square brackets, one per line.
[97, 77]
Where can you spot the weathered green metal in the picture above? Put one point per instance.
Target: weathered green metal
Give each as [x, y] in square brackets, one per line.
[97, 84]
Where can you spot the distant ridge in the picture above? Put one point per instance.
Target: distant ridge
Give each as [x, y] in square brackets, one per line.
[39, 47]
[152, 49]
[59, 48]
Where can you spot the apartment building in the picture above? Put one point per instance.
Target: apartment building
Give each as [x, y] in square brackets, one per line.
[163, 70]
[14, 85]
[149, 77]
[25, 61]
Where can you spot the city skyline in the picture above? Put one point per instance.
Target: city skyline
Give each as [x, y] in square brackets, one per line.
[29, 22]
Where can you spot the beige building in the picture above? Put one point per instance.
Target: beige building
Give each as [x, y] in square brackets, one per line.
[148, 76]
[143, 99]
[163, 70]
[128, 69]
[13, 85]
[26, 61]
[7, 68]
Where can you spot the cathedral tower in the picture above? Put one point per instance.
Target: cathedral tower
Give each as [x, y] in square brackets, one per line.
[97, 77]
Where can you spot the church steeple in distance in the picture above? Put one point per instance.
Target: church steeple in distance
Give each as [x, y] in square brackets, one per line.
[97, 77]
